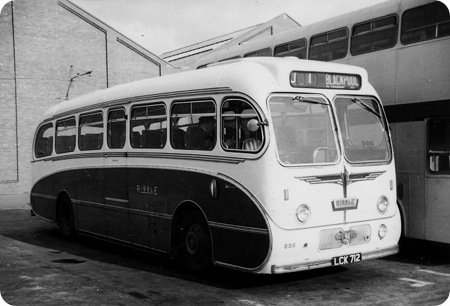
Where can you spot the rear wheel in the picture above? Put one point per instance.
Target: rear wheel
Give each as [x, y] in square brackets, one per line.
[195, 242]
[65, 217]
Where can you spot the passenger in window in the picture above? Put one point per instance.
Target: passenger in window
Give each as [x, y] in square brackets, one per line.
[202, 136]
[229, 142]
[229, 133]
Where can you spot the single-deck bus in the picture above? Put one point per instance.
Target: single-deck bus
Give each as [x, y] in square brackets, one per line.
[265, 165]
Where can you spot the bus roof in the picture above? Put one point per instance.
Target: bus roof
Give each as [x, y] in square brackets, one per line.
[268, 73]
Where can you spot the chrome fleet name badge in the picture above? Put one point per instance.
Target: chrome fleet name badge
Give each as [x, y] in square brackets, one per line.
[345, 204]
[145, 189]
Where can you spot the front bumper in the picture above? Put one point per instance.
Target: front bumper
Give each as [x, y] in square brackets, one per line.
[327, 263]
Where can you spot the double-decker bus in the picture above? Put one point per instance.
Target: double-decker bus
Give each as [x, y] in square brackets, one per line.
[265, 165]
[403, 44]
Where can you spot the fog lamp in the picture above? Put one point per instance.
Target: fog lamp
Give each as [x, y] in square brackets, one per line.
[382, 231]
[382, 204]
[303, 213]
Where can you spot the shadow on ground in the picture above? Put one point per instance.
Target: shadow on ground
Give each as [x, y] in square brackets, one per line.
[19, 225]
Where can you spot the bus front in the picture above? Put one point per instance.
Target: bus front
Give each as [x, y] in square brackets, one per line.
[334, 201]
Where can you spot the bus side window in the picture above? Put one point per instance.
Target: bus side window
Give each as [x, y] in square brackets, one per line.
[235, 134]
[44, 141]
[193, 125]
[294, 48]
[116, 129]
[425, 22]
[148, 126]
[259, 53]
[90, 135]
[65, 136]
[374, 35]
[329, 46]
[438, 132]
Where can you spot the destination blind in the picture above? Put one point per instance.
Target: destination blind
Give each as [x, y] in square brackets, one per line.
[325, 80]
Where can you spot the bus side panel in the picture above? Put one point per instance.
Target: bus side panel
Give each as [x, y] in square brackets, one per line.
[89, 215]
[437, 213]
[149, 218]
[380, 64]
[410, 162]
[240, 247]
[116, 212]
[239, 232]
[429, 81]
[43, 199]
[243, 249]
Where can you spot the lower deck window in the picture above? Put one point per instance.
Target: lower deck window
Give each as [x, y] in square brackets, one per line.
[439, 145]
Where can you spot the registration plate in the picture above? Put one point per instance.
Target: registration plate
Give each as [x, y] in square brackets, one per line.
[345, 259]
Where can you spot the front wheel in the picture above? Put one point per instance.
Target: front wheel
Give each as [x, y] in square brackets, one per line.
[195, 242]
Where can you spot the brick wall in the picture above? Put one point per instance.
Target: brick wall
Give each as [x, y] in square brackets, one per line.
[54, 41]
[8, 144]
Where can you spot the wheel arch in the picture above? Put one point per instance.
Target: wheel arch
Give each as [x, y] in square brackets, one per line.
[180, 211]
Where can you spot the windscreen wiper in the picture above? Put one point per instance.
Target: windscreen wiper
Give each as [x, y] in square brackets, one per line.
[365, 106]
[308, 100]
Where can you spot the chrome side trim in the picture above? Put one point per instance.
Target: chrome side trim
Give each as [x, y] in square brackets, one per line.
[43, 196]
[239, 228]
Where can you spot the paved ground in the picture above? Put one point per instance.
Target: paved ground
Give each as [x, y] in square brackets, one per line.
[38, 267]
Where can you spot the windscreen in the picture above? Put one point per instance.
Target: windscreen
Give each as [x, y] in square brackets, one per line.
[303, 129]
[363, 129]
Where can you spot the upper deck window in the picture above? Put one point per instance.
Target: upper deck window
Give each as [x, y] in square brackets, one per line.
[363, 129]
[294, 48]
[193, 125]
[43, 145]
[329, 46]
[263, 52]
[426, 22]
[148, 126]
[303, 129]
[65, 135]
[91, 132]
[374, 35]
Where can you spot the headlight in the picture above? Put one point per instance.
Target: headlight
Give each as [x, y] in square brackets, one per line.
[382, 204]
[382, 231]
[303, 213]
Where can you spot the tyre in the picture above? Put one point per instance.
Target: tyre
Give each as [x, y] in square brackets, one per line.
[66, 219]
[195, 243]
